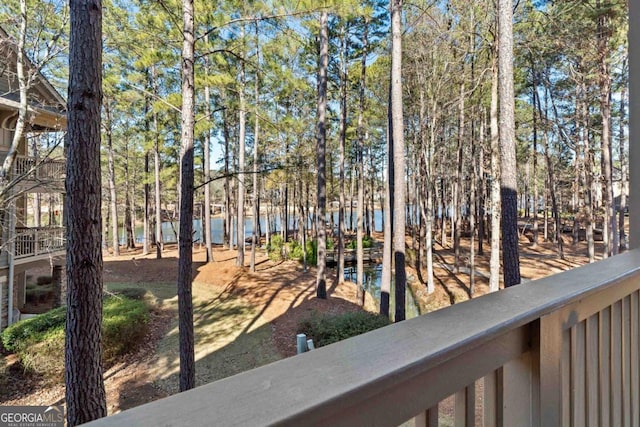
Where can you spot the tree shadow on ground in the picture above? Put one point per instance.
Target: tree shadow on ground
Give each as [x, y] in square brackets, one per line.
[238, 327]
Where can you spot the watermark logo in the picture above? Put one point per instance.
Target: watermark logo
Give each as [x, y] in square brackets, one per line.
[32, 416]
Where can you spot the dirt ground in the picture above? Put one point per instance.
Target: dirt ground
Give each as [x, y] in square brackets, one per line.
[261, 309]
[245, 319]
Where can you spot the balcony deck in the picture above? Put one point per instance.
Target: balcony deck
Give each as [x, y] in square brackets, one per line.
[39, 175]
[35, 244]
[564, 350]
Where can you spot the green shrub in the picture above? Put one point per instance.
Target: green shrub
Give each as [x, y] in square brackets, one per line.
[296, 252]
[124, 325]
[132, 293]
[33, 330]
[39, 341]
[326, 329]
[330, 244]
[367, 242]
[275, 246]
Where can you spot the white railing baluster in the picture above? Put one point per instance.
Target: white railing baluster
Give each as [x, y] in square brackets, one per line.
[634, 360]
[592, 361]
[605, 366]
[492, 399]
[578, 384]
[428, 418]
[616, 364]
[626, 361]
[551, 376]
[465, 407]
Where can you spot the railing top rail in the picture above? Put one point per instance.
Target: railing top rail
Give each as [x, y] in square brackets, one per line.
[339, 383]
[53, 228]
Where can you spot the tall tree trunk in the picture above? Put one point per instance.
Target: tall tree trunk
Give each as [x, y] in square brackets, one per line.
[185, 258]
[534, 153]
[242, 121]
[624, 171]
[372, 191]
[156, 166]
[321, 140]
[145, 225]
[360, 166]
[398, 159]
[255, 237]
[128, 217]
[481, 186]
[112, 181]
[128, 221]
[387, 254]
[473, 191]
[609, 231]
[494, 261]
[457, 186]
[343, 143]
[207, 166]
[84, 386]
[509, 170]
[586, 172]
[227, 239]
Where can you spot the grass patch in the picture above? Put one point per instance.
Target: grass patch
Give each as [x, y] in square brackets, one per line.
[39, 342]
[326, 329]
[158, 293]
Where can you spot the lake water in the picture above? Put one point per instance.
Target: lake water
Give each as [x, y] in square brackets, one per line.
[372, 283]
[217, 227]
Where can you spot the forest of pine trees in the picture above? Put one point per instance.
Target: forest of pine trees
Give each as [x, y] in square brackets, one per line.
[451, 118]
[463, 150]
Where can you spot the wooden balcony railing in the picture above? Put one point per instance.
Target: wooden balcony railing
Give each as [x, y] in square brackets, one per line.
[34, 241]
[554, 352]
[45, 170]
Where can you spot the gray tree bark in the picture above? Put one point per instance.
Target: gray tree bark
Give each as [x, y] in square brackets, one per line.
[508, 175]
[185, 257]
[255, 237]
[321, 141]
[360, 168]
[84, 392]
[494, 261]
[242, 125]
[113, 205]
[207, 170]
[398, 159]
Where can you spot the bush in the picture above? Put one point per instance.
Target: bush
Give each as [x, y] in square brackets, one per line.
[33, 330]
[275, 246]
[330, 244]
[39, 341]
[296, 252]
[124, 325]
[326, 329]
[367, 242]
[132, 293]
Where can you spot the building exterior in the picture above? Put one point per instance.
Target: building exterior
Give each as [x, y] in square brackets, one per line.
[32, 233]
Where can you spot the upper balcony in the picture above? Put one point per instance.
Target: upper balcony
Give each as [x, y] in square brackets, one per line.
[30, 244]
[39, 175]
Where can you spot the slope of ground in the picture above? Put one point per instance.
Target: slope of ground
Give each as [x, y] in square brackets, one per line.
[243, 319]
